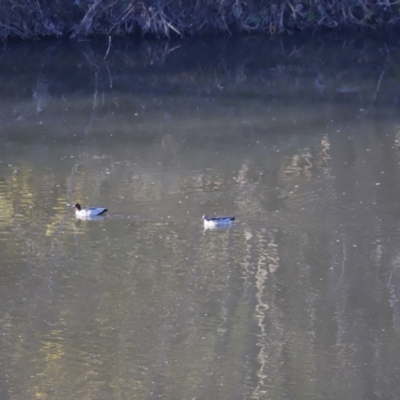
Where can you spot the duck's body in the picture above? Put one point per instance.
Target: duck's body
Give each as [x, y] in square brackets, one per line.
[216, 222]
[88, 211]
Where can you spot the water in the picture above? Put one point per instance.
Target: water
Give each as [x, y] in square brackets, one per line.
[297, 300]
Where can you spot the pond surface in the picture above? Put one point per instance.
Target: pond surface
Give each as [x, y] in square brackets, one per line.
[298, 138]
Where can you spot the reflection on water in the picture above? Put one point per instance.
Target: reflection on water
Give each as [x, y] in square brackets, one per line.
[299, 298]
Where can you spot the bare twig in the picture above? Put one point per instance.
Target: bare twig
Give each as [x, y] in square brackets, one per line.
[108, 48]
[378, 86]
[86, 22]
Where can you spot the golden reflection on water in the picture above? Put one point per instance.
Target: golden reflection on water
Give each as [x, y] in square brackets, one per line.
[149, 296]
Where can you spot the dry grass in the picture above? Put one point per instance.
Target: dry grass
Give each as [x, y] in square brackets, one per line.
[164, 18]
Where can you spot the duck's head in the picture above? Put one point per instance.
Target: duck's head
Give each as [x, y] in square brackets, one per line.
[77, 206]
[206, 217]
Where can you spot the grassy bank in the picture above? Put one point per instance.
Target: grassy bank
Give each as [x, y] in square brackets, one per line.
[24, 19]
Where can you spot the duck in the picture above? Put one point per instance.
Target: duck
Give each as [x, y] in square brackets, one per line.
[88, 211]
[215, 222]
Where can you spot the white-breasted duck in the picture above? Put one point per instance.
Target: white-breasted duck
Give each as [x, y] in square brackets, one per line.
[214, 222]
[88, 211]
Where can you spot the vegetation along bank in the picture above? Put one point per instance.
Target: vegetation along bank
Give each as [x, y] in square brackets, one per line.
[26, 19]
